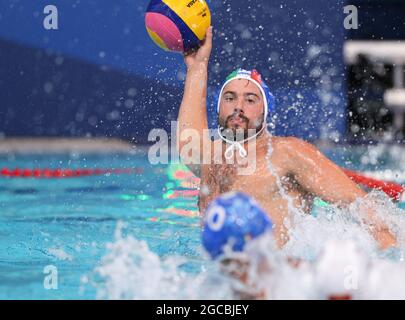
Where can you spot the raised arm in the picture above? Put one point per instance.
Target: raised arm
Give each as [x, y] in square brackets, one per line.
[193, 108]
[323, 178]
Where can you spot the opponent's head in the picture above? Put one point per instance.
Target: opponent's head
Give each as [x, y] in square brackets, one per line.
[233, 218]
[244, 102]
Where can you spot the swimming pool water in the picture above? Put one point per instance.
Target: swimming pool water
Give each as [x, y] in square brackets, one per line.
[67, 222]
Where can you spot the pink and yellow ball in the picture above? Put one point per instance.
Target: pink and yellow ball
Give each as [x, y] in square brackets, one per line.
[177, 25]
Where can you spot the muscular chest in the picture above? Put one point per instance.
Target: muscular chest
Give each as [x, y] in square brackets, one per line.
[262, 183]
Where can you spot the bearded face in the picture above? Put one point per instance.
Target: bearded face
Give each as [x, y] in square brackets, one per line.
[241, 109]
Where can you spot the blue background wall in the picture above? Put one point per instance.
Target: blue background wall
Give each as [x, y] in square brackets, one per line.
[101, 75]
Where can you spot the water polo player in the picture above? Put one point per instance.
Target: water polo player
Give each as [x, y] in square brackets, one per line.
[238, 234]
[287, 169]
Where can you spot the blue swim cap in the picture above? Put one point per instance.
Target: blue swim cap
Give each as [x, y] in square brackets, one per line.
[235, 218]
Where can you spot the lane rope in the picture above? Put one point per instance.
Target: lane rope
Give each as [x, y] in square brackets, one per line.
[394, 190]
[63, 173]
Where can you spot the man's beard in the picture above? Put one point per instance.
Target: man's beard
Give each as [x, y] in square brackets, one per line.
[239, 132]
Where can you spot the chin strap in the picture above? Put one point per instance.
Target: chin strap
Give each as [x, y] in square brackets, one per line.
[230, 150]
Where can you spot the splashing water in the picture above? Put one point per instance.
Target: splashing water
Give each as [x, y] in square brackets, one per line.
[342, 267]
[330, 254]
[132, 271]
[337, 258]
[336, 240]
[332, 222]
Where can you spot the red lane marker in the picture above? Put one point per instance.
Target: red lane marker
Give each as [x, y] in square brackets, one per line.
[36, 172]
[67, 173]
[16, 172]
[85, 172]
[27, 173]
[5, 172]
[57, 173]
[98, 171]
[340, 297]
[393, 190]
[63, 173]
[138, 170]
[47, 173]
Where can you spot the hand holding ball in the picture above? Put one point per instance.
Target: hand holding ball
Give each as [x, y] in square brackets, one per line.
[178, 25]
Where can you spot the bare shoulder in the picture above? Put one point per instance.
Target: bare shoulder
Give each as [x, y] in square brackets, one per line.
[293, 146]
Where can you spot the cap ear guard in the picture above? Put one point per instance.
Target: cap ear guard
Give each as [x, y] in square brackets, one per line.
[270, 99]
